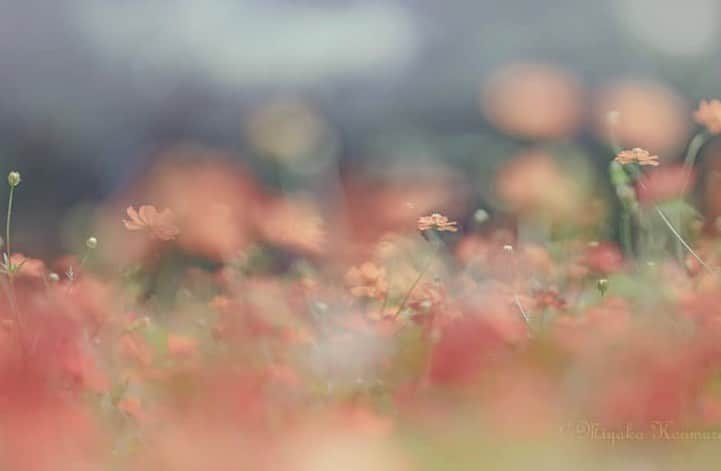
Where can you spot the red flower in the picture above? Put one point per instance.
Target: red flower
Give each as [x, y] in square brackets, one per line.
[664, 184]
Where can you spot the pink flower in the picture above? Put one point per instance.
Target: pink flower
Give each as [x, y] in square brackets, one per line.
[160, 225]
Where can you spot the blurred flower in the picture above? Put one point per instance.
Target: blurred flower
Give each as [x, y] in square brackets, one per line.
[213, 199]
[181, 345]
[604, 258]
[549, 298]
[709, 114]
[637, 156]
[534, 184]
[649, 115]
[292, 223]
[367, 280]
[533, 100]
[291, 132]
[159, 225]
[436, 222]
[664, 184]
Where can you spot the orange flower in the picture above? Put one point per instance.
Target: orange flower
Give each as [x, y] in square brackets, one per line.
[368, 280]
[438, 222]
[538, 101]
[638, 156]
[160, 225]
[181, 345]
[709, 114]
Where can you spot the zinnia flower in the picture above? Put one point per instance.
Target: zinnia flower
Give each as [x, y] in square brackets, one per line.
[709, 114]
[438, 222]
[638, 156]
[160, 225]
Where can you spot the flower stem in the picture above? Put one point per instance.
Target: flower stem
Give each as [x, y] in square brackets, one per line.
[413, 286]
[7, 229]
[678, 236]
[626, 238]
[692, 152]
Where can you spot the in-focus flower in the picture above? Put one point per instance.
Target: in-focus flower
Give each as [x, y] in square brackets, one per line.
[709, 114]
[160, 225]
[437, 222]
[638, 156]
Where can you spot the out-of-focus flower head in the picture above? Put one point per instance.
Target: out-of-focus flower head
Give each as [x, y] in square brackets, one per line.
[533, 100]
[646, 114]
[709, 114]
[367, 280]
[664, 184]
[292, 132]
[603, 258]
[549, 298]
[534, 183]
[160, 225]
[637, 156]
[295, 224]
[438, 222]
[212, 197]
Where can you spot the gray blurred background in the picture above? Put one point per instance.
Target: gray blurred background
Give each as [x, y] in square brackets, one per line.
[91, 91]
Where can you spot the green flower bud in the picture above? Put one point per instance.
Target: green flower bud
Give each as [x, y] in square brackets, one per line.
[14, 178]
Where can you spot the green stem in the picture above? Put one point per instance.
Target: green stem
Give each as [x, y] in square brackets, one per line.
[691, 154]
[626, 241]
[7, 228]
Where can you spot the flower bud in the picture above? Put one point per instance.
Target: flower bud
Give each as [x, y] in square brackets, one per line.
[14, 179]
[91, 243]
[602, 286]
[480, 216]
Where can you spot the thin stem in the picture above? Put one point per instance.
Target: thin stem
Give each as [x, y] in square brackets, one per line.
[413, 286]
[681, 239]
[7, 226]
[517, 300]
[636, 175]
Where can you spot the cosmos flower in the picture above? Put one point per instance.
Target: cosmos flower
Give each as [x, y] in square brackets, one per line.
[160, 225]
[638, 156]
[438, 222]
[367, 280]
[709, 114]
